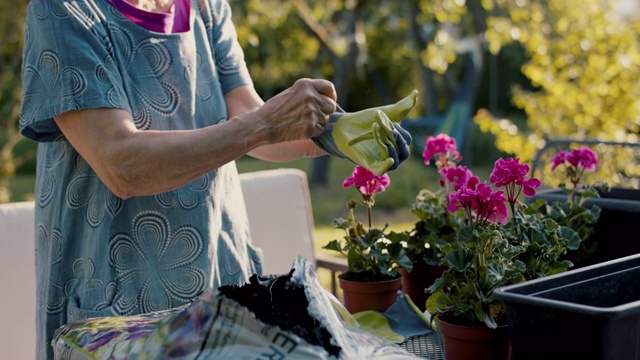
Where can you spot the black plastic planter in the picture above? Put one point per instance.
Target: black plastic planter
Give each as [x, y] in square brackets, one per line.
[614, 235]
[587, 313]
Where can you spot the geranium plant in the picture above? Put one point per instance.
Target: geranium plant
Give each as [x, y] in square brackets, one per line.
[436, 226]
[504, 241]
[573, 212]
[372, 254]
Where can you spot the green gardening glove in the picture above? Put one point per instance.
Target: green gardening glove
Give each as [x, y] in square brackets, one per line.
[371, 138]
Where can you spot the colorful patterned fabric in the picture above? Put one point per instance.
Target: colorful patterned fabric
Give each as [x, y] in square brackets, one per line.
[214, 327]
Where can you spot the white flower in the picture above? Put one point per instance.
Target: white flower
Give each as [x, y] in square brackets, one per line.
[427, 245]
[404, 244]
[383, 240]
[385, 252]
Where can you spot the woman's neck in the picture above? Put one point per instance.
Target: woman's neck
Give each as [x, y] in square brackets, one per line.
[161, 6]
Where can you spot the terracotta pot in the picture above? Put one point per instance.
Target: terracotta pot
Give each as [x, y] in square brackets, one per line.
[474, 343]
[374, 295]
[415, 282]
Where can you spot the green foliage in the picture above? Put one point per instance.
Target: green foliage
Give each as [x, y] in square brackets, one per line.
[531, 244]
[478, 263]
[11, 34]
[574, 215]
[277, 48]
[484, 258]
[368, 49]
[435, 228]
[583, 61]
[544, 242]
[374, 250]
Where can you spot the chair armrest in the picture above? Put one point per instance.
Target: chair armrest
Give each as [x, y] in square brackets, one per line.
[334, 264]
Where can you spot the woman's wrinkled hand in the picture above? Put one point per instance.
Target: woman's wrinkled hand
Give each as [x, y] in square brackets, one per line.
[299, 112]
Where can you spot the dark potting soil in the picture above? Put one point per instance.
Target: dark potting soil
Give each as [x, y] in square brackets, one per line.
[276, 301]
[365, 276]
[501, 319]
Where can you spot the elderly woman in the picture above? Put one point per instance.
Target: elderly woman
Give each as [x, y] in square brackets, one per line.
[140, 109]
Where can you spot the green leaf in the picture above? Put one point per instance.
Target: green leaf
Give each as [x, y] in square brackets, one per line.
[460, 260]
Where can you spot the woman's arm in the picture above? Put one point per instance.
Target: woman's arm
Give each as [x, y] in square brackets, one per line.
[132, 162]
[245, 99]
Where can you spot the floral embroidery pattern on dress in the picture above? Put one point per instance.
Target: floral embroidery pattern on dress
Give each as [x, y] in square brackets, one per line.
[186, 196]
[84, 281]
[54, 156]
[83, 269]
[203, 81]
[98, 200]
[49, 75]
[50, 252]
[153, 260]
[163, 99]
[42, 9]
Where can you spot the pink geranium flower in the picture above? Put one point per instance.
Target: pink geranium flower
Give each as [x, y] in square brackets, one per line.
[576, 162]
[442, 148]
[583, 157]
[481, 203]
[512, 175]
[367, 182]
[456, 176]
[559, 159]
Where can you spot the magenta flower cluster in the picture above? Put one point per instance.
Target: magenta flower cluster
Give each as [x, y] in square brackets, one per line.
[367, 183]
[482, 203]
[443, 149]
[479, 200]
[576, 162]
[580, 158]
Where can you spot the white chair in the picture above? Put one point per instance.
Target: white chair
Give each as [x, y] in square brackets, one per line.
[17, 281]
[279, 209]
[280, 217]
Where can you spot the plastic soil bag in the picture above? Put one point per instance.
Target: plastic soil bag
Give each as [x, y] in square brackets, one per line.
[287, 316]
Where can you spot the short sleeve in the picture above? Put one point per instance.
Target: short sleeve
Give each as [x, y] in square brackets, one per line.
[66, 66]
[229, 57]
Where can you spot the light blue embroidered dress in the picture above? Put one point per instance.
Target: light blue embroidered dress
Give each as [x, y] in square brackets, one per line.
[99, 255]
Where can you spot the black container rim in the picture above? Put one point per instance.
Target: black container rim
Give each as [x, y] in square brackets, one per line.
[629, 204]
[517, 293]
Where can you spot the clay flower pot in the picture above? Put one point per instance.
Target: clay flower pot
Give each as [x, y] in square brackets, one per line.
[415, 282]
[369, 295]
[474, 342]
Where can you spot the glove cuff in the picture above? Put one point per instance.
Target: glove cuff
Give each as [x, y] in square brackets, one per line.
[325, 142]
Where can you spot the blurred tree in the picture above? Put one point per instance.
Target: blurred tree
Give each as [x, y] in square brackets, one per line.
[584, 62]
[579, 77]
[12, 16]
